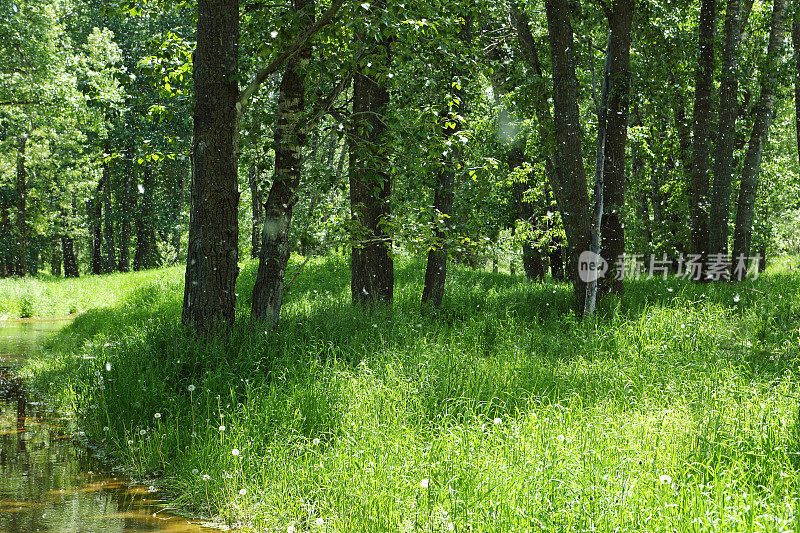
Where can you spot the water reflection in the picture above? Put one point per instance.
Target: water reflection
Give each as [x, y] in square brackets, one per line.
[48, 481]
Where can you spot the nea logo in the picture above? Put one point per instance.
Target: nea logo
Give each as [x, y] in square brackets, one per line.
[591, 266]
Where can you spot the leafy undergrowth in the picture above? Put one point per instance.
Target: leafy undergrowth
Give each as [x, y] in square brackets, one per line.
[674, 410]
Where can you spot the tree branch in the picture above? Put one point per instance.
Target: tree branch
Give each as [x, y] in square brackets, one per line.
[295, 47]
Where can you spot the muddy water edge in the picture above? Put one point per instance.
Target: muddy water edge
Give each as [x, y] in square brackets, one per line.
[50, 481]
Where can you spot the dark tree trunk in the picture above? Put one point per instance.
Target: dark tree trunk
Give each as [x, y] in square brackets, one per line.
[110, 261]
[701, 147]
[70, 261]
[22, 199]
[211, 266]
[683, 131]
[290, 138]
[758, 136]
[124, 264]
[6, 232]
[436, 266]
[146, 255]
[618, 84]
[571, 192]
[796, 46]
[95, 212]
[371, 267]
[726, 132]
[258, 210]
[55, 257]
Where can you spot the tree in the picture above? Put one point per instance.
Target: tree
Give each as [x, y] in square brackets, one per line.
[763, 110]
[371, 267]
[701, 142]
[290, 138]
[210, 292]
[570, 189]
[726, 132]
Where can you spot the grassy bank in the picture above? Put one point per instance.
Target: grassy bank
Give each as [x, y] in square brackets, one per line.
[675, 411]
[52, 296]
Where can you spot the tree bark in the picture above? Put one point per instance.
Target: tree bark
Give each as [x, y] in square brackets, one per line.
[572, 187]
[95, 214]
[110, 260]
[146, 255]
[22, 199]
[70, 261]
[290, 138]
[371, 267]
[618, 77]
[55, 257]
[211, 268]
[758, 136]
[258, 210]
[436, 266]
[726, 132]
[701, 148]
[796, 46]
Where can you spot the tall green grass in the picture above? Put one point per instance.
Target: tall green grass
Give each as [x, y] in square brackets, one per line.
[674, 410]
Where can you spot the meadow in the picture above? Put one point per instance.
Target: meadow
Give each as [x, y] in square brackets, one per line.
[674, 409]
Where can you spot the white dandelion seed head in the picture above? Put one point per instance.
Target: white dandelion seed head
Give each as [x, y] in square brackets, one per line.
[425, 483]
[290, 529]
[157, 415]
[320, 522]
[235, 452]
[222, 428]
[195, 471]
[497, 421]
[242, 492]
[206, 477]
[665, 479]
[561, 438]
[108, 366]
[190, 388]
[315, 442]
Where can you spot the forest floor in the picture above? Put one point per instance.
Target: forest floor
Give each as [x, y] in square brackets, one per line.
[676, 409]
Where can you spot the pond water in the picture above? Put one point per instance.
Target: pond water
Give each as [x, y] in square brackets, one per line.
[48, 480]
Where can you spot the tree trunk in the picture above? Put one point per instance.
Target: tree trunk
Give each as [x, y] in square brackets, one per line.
[796, 46]
[124, 264]
[618, 78]
[146, 255]
[55, 257]
[70, 261]
[22, 198]
[571, 189]
[209, 297]
[436, 266]
[758, 136]
[110, 261]
[6, 233]
[95, 213]
[290, 138]
[257, 198]
[701, 148]
[371, 267]
[726, 132]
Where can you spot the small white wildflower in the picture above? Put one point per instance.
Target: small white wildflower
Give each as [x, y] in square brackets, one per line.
[561, 438]
[289, 529]
[108, 367]
[320, 522]
[151, 488]
[130, 442]
[498, 421]
[105, 428]
[157, 416]
[235, 452]
[190, 388]
[206, 477]
[142, 432]
[273, 34]
[670, 289]
[242, 491]
[737, 298]
[665, 479]
[222, 428]
[425, 483]
[315, 442]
